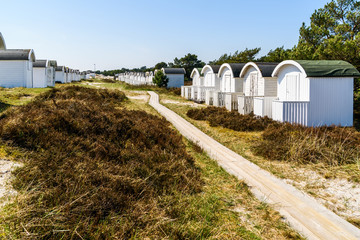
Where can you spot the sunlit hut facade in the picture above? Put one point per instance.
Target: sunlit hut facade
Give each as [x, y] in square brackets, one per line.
[149, 77]
[41, 73]
[16, 68]
[314, 93]
[175, 75]
[53, 65]
[231, 86]
[260, 89]
[2, 42]
[197, 83]
[211, 82]
[60, 74]
[67, 74]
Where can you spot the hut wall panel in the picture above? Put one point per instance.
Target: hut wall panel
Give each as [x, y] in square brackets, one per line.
[39, 78]
[60, 76]
[14, 73]
[175, 80]
[331, 101]
[303, 83]
[270, 88]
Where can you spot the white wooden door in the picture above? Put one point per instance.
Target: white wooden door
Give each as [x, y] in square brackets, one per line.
[254, 84]
[227, 83]
[292, 87]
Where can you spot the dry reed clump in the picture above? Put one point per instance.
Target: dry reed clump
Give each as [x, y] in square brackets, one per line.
[175, 90]
[232, 120]
[94, 169]
[332, 146]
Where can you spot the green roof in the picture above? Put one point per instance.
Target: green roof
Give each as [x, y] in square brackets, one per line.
[328, 68]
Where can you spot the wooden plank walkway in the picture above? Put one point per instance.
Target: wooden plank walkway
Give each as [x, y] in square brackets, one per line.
[303, 213]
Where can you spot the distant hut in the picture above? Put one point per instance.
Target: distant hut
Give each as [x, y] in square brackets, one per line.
[260, 89]
[197, 83]
[52, 73]
[231, 85]
[41, 73]
[60, 74]
[176, 76]
[16, 68]
[211, 82]
[314, 93]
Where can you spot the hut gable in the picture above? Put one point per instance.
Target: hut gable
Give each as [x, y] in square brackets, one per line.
[174, 71]
[41, 64]
[17, 55]
[16, 68]
[321, 68]
[2, 42]
[210, 76]
[258, 80]
[175, 75]
[229, 77]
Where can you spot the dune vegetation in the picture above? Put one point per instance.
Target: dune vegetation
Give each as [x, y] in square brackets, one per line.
[94, 169]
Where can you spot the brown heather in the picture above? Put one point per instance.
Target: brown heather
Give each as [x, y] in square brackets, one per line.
[95, 170]
[333, 146]
[232, 120]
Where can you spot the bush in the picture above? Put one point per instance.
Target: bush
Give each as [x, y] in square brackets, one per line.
[176, 91]
[94, 168]
[332, 146]
[160, 79]
[233, 120]
[107, 80]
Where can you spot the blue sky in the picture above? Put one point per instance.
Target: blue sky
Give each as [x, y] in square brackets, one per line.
[114, 34]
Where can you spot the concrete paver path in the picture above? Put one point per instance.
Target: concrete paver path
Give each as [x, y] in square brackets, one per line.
[303, 212]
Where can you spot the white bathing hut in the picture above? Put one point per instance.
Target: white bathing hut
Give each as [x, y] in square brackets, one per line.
[211, 83]
[231, 86]
[260, 89]
[314, 93]
[197, 82]
[41, 77]
[16, 68]
[60, 75]
[175, 75]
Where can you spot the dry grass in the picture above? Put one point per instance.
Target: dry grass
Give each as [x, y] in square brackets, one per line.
[232, 120]
[94, 171]
[330, 169]
[85, 179]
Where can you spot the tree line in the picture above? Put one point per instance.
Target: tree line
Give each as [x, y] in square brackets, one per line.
[333, 34]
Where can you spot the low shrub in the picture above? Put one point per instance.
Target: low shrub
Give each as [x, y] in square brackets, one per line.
[108, 80]
[232, 120]
[332, 146]
[94, 170]
[176, 91]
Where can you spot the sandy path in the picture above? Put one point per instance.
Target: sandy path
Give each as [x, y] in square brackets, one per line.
[303, 212]
[5, 175]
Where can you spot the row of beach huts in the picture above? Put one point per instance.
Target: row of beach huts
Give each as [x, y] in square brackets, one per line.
[307, 92]
[20, 68]
[175, 76]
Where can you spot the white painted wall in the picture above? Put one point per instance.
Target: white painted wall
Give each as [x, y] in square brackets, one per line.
[16, 74]
[228, 83]
[60, 76]
[284, 87]
[40, 78]
[50, 76]
[331, 101]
